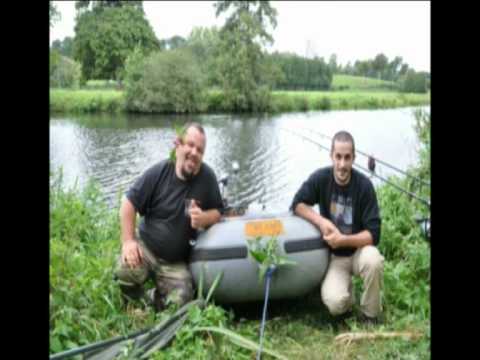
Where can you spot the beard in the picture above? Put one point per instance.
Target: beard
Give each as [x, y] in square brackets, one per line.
[187, 175]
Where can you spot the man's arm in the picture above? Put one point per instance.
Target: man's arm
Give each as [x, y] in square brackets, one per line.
[330, 232]
[322, 223]
[131, 251]
[339, 240]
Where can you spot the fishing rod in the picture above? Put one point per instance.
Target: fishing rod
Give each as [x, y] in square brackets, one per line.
[423, 201]
[427, 183]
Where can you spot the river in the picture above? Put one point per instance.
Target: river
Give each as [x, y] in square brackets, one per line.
[115, 149]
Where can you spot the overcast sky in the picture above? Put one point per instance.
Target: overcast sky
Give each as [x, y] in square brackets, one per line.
[355, 30]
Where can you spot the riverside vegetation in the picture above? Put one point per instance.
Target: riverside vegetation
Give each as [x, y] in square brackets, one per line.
[357, 93]
[85, 304]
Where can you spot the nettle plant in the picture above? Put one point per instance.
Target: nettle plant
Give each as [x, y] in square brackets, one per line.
[266, 253]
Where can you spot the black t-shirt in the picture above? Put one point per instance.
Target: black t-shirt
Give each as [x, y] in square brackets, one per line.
[353, 208]
[159, 197]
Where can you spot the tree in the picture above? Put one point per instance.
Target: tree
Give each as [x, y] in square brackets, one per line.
[415, 82]
[403, 69]
[84, 5]
[106, 34]
[172, 43]
[379, 65]
[65, 72]
[332, 63]
[394, 68]
[242, 65]
[64, 47]
[54, 15]
[204, 44]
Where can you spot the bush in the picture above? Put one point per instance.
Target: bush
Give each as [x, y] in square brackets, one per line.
[323, 103]
[165, 82]
[414, 82]
[300, 103]
[64, 72]
[281, 103]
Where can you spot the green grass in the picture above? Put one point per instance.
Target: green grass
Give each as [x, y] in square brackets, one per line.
[359, 83]
[84, 101]
[100, 84]
[343, 100]
[85, 302]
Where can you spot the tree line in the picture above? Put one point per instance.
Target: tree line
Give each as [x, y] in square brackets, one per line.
[114, 40]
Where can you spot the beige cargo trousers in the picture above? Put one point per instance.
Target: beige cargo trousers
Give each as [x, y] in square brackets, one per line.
[337, 290]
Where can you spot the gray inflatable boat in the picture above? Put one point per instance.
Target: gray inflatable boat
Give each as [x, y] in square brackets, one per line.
[223, 248]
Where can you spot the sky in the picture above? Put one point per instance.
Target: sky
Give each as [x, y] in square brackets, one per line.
[353, 30]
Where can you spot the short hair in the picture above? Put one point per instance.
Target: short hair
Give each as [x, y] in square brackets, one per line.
[195, 125]
[343, 136]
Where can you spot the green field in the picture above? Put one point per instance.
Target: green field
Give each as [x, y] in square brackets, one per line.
[108, 100]
[359, 83]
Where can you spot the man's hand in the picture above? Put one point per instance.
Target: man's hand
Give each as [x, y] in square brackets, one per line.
[132, 254]
[335, 238]
[177, 142]
[326, 226]
[196, 216]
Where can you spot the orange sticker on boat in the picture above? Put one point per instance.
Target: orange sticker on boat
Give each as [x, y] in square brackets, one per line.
[263, 228]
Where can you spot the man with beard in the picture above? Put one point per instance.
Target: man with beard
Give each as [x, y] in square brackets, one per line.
[160, 248]
[349, 221]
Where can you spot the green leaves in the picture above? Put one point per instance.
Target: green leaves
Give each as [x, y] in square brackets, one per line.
[104, 39]
[180, 133]
[168, 82]
[266, 253]
[239, 340]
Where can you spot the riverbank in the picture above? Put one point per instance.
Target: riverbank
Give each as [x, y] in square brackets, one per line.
[85, 303]
[109, 100]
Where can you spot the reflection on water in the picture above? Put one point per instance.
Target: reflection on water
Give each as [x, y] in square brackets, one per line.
[115, 149]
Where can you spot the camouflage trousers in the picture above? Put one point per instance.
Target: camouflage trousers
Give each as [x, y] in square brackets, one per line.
[173, 281]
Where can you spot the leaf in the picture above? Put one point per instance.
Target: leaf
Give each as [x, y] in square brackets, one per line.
[214, 286]
[239, 340]
[258, 255]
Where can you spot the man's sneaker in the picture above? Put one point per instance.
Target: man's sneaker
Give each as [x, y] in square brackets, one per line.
[343, 317]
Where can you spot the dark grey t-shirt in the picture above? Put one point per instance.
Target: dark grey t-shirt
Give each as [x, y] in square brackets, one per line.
[352, 208]
[159, 197]
[341, 210]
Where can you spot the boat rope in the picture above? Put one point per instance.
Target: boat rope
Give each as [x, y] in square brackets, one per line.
[271, 269]
[418, 198]
[424, 182]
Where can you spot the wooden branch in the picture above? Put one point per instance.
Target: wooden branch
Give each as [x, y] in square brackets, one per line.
[347, 338]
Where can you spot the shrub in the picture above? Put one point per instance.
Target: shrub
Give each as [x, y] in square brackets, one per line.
[300, 103]
[165, 82]
[64, 72]
[414, 82]
[323, 103]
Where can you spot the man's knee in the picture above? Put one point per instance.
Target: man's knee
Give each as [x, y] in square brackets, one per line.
[371, 260]
[130, 280]
[177, 291]
[336, 303]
